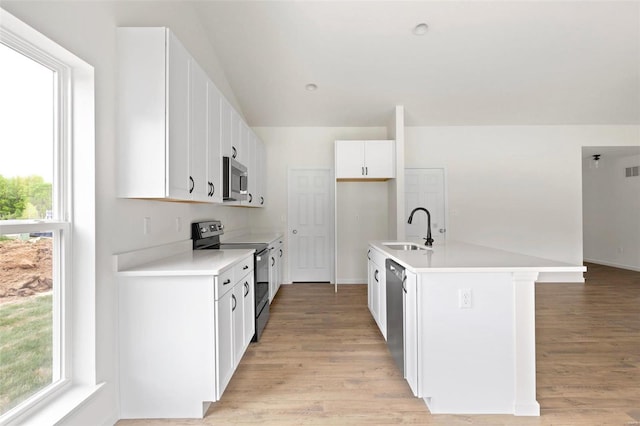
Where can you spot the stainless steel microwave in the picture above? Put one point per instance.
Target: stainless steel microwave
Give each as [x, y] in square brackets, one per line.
[234, 180]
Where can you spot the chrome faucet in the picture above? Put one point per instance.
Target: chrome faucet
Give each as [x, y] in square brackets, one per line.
[429, 241]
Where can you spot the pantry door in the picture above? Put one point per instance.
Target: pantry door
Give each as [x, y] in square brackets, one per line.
[425, 188]
[311, 225]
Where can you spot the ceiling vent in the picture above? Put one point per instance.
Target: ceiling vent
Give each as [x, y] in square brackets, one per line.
[632, 171]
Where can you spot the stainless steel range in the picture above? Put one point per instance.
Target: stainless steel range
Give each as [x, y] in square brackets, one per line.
[206, 236]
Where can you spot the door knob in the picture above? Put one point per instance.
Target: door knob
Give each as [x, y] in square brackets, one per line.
[295, 231]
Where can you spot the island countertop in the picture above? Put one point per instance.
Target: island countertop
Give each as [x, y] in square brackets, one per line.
[465, 257]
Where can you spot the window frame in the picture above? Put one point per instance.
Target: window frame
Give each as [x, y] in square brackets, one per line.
[61, 224]
[73, 225]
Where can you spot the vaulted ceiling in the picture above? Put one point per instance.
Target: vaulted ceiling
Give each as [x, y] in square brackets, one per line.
[479, 63]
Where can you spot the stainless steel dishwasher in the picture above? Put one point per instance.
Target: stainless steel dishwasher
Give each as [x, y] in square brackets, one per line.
[395, 330]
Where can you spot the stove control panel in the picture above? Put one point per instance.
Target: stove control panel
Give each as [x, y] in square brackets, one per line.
[208, 229]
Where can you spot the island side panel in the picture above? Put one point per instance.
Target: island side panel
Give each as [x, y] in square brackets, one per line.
[466, 354]
[525, 403]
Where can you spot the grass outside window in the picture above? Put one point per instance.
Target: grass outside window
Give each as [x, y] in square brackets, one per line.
[25, 348]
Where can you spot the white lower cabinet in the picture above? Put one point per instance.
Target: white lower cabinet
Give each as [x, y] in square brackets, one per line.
[181, 339]
[276, 256]
[377, 288]
[410, 327]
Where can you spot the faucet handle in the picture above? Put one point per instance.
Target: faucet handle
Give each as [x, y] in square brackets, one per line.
[428, 241]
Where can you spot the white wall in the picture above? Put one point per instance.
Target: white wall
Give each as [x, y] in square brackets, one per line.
[516, 188]
[313, 147]
[611, 212]
[88, 29]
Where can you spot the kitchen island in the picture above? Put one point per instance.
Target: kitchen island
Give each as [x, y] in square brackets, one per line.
[468, 323]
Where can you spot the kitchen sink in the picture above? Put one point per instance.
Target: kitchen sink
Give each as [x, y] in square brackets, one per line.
[405, 246]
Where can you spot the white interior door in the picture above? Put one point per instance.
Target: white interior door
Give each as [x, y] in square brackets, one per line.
[311, 225]
[425, 188]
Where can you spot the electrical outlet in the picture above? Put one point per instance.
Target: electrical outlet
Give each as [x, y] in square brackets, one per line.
[146, 225]
[464, 298]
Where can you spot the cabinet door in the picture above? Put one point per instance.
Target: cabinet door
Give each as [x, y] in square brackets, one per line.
[236, 134]
[261, 170]
[280, 255]
[214, 144]
[178, 64]
[243, 147]
[382, 298]
[273, 274]
[225, 361]
[410, 326]
[198, 136]
[252, 196]
[375, 291]
[237, 308]
[370, 286]
[379, 159]
[349, 159]
[226, 133]
[249, 310]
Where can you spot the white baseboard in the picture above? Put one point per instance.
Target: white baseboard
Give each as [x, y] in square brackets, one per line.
[352, 281]
[613, 264]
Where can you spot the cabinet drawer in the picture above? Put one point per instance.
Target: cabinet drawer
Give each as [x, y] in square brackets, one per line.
[224, 283]
[242, 268]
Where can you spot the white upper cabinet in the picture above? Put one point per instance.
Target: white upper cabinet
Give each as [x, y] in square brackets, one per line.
[198, 136]
[261, 172]
[373, 159]
[214, 145]
[162, 120]
[225, 128]
[174, 125]
[252, 178]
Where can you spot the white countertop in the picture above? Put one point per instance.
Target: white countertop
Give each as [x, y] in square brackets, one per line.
[198, 262]
[463, 257]
[259, 237]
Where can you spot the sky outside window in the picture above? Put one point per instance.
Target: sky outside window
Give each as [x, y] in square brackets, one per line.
[26, 116]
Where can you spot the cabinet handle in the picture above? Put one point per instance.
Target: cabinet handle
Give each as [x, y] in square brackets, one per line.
[280, 252]
[193, 184]
[261, 200]
[375, 275]
[369, 255]
[226, 282]
[245, 267]
[235, 302]
[235, 152]
[246, 287]
[250, 197]
[362, 173]
[273, 261]
[404, 279]
[366, 171]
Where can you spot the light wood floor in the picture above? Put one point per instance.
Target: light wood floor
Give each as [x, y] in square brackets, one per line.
[323, 361]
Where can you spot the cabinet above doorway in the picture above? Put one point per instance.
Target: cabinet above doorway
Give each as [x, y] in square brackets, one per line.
[365, 159]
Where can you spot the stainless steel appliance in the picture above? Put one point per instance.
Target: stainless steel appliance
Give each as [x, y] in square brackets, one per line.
[206, 235]
[395, 328]
[234, 180]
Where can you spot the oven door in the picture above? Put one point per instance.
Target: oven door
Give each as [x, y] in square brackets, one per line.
[261, 291]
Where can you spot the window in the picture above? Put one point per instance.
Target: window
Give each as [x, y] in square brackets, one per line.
[35, 238]
[47, 227]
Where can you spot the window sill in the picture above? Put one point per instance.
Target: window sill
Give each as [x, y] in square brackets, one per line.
[59, 407]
